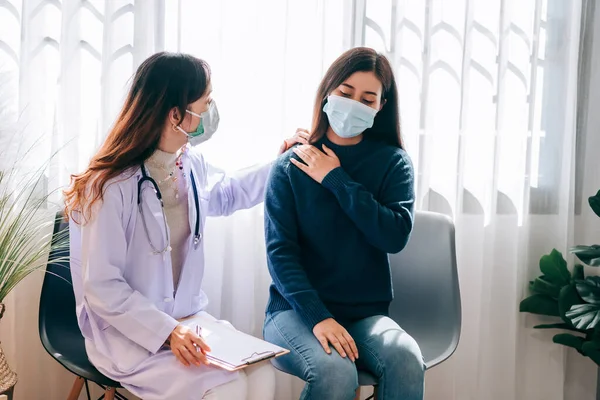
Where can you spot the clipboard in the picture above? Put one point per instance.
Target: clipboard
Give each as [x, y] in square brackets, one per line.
[231, 349]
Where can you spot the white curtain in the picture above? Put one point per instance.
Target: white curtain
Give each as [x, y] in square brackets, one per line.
[489, 107]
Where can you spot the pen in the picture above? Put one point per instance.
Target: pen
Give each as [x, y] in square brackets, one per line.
[197, 333]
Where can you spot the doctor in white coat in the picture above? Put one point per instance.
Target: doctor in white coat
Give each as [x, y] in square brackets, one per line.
[136, 221]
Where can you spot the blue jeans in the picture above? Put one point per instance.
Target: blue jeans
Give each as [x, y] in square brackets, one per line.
[384, 349]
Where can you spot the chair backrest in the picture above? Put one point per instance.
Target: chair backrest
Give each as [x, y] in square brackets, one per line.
[426, 291]
[57, 301]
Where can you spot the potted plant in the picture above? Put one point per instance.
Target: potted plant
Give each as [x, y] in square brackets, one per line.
[571, 297]
[25, 225]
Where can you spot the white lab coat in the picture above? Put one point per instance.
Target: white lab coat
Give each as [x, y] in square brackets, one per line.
[126, 306]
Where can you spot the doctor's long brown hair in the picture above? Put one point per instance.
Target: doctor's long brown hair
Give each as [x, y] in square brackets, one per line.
[386, 127]
[162, 82]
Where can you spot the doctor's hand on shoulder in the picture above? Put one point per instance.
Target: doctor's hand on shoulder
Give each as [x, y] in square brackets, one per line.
[301, 136]
[188, 347]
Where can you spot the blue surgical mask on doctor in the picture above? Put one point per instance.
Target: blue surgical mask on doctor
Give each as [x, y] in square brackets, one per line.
[348, 118]
[209, 122]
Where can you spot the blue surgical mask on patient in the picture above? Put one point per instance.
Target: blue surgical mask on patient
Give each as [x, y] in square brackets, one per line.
[348, 118]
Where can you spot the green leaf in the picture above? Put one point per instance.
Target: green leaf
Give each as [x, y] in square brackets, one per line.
[591, 345]
[569, 340]
[540, 304]
[554, 268]
[595, 203]
[584, 316]
[543, 286]
[589, 289]
[589, 255]
[566, 299]
[562, 325]
[591, 349]
[578, 273]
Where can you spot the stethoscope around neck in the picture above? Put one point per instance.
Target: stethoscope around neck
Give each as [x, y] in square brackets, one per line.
[147, 178]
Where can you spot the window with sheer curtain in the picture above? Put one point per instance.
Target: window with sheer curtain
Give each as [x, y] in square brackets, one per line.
[488, 92]
[482, 82]
[483, 97]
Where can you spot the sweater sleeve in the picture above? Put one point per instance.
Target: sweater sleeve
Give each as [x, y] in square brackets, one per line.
[283, 249]
[387, 223]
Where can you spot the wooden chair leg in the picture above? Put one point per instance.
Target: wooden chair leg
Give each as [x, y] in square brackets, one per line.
[375, 393]
[357, 397]
[109, 394]
[76, 388]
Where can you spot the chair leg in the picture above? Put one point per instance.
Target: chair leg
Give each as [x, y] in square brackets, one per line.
[109, 394]
[119, 396]
[87, 390]
[76, 388]
[371, 397]
[357, 397]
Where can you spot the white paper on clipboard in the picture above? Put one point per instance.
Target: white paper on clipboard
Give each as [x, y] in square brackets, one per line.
[231, 349]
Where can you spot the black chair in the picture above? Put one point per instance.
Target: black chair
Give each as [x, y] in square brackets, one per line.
[59, 332]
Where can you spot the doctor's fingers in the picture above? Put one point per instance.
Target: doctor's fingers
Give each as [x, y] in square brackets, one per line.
[192, 353]
[180, 357]
[302, 135]
[198, 341]
[196, 352]
[193, 356]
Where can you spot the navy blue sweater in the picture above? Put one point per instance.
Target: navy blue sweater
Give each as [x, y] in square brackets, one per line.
[328, 244]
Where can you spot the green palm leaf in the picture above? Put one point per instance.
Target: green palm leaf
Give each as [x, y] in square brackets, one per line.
[584, 316]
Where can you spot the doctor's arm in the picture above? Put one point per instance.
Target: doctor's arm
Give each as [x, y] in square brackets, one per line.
[105, 290]
[244, 188]
[240, 190]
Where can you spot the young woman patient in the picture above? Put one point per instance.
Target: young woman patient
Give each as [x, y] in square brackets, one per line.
[334, 210]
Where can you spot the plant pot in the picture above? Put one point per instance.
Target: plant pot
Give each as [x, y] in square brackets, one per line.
[8, 378]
